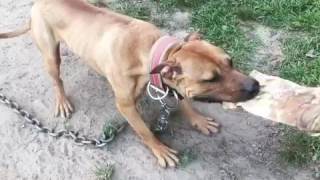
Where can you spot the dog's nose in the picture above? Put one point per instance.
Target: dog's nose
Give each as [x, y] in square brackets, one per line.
[252, 87]
[255, 88]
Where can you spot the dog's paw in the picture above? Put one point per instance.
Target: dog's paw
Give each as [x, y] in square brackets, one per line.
[205, 125]
[63, 108]
[165, 155]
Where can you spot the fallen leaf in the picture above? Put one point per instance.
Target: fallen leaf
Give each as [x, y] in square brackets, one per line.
[311, 54]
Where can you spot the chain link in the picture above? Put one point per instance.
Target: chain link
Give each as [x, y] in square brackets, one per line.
[163, 120]
[165, 112]
[75, 136]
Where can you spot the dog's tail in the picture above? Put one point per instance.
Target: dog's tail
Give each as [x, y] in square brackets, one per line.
[17, 32]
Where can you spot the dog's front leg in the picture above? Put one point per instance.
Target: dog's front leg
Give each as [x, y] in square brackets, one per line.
[204, 124]
[165, 155]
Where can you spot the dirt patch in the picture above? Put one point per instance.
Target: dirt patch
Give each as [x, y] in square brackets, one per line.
[245, 148]
[268, 54]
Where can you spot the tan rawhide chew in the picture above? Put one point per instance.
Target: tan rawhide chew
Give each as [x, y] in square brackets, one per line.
[286, 102]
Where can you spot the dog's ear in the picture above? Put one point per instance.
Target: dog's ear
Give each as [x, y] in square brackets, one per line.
[167, 70]
[193, 36]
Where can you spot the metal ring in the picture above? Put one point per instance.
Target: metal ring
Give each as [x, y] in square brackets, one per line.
[165, 93]
[100, 145]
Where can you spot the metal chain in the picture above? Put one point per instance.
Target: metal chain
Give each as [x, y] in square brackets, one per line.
[165, 112]
[75, 136]
[163, 120]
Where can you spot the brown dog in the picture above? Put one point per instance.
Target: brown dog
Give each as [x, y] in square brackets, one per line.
[118, 47]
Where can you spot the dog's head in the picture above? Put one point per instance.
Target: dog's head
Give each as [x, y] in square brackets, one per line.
[201, 71]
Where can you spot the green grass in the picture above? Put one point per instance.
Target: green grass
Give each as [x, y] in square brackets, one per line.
[219, 22]
[112, 126]
[134, 9]
[181, 4]
[104, 173]
[290, 14]
[296, 65]
[298, 148]
[186, 157]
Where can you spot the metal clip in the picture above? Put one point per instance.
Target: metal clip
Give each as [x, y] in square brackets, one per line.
[158, 91]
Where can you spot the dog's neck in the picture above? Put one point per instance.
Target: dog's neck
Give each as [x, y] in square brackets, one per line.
[161, 50]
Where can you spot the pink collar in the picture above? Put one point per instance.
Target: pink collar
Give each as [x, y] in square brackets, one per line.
[158, 55]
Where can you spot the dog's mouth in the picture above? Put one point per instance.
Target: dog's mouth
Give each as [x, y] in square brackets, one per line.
[207, 99]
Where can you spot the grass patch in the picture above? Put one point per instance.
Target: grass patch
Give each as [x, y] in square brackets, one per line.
[297, 66]
[298, 148]
[134, 9]
[143, 10]
[186, 157]
[219, 22]
[104, 173]
[113, 126]
[182, 4]
[290, 14]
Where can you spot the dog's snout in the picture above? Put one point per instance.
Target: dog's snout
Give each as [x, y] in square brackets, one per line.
[252, 87]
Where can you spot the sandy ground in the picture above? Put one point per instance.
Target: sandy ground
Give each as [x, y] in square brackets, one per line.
[246, 148]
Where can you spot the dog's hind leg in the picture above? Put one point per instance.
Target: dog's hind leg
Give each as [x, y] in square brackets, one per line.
[49, 47]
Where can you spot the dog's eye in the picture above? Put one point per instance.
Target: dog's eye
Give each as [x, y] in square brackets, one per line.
[214, 79]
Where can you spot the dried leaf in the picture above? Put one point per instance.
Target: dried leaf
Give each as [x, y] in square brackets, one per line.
[311, 54]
